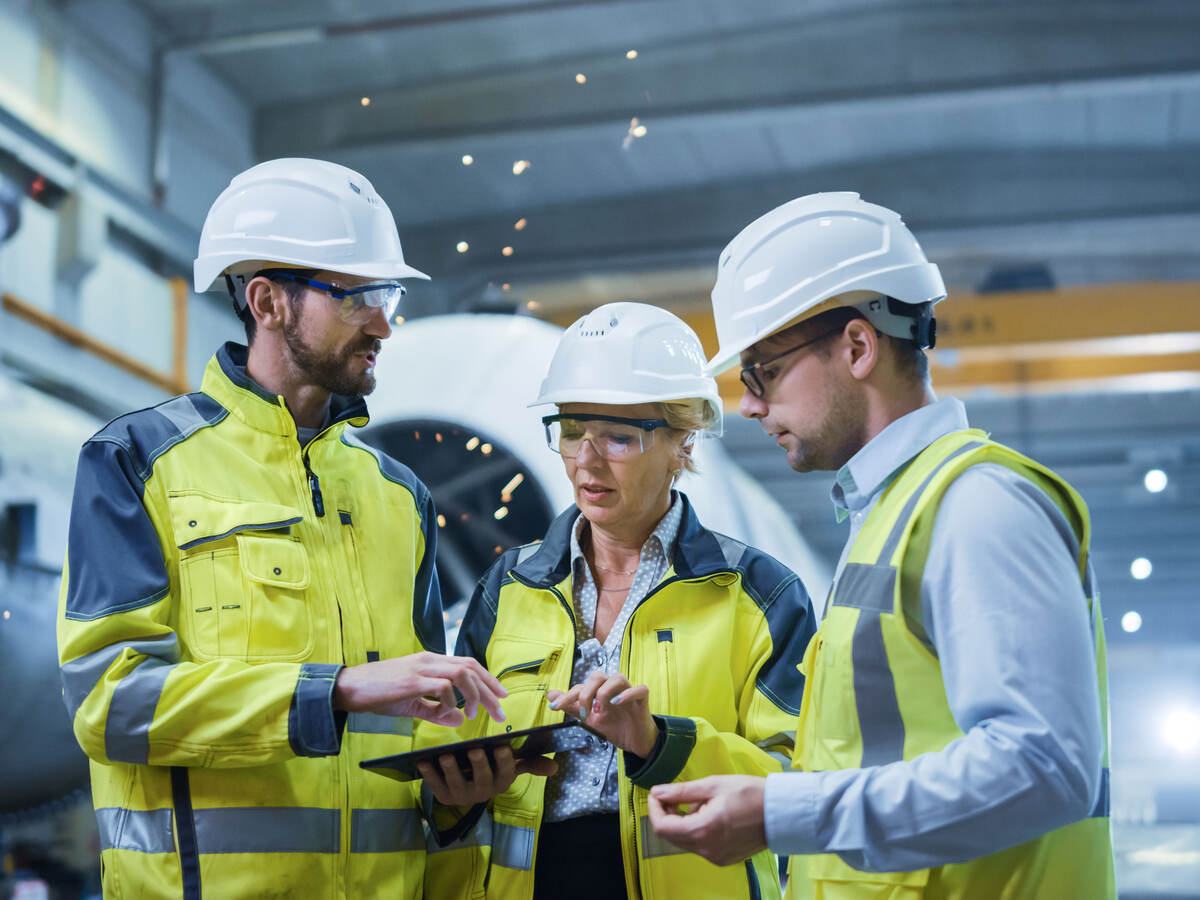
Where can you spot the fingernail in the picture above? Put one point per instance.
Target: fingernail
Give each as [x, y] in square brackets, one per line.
[615, 700]
[554, 703]
[583, 712]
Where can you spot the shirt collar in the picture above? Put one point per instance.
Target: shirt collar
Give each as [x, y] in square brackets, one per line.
[664, 533]
[872, 468]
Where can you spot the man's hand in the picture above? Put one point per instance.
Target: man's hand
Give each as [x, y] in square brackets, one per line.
[724, 822]
[451, 789]
[612, 706]
[422, 686]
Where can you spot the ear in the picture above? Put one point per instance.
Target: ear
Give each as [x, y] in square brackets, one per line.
[267, 302]
[684, 452]
[862, 348]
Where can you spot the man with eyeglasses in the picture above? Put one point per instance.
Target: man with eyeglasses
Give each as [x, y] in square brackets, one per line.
[952, 737]
[250, 605]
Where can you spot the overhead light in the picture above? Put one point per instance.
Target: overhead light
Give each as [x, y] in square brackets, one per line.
[532, 304]
[639, 131]
[473, 443]
[513, 484]
[1181, 730]
[520, 166]
[486, 449]
[507, 251]
[499, 549]
[500, 513]
[1131, 621]
[506, 286]
[365, 101]
[441, 521]
[1155, 481]
[580, 78]
[631, 54]
[438, 437]
[520, 224]
[1140, 568]
[467, 159]
[399, 320]
[462, 247]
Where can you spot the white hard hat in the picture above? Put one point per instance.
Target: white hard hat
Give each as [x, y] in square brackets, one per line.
[300, 213]
[791, 264]
[626, 353]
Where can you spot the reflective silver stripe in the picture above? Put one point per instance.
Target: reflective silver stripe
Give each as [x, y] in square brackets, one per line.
[385, 830]
[527, 551]
[732, 550]
[131, 710]
[866, 587]
[374, 723]
[268, 829]
[893, 541]
[652, 844]
[512, 846]
[879, 718]
[80, 676]
[1100, 808]
[182, 413]
[783, 759]
[479, 836]
[143, 831]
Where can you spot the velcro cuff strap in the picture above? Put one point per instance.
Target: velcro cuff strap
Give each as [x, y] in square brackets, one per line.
[676, 738]
[314, 727]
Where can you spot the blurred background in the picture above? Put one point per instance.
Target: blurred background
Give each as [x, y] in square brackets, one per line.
[544, 157]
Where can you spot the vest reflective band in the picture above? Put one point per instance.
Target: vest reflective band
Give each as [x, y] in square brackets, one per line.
[875, 693]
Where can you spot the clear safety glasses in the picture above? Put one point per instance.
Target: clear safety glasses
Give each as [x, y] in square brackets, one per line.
[612, 437]
[356, 302]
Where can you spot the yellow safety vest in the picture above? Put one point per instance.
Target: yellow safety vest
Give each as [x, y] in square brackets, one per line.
[874, 694]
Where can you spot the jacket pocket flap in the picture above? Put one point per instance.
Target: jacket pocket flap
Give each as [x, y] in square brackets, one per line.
[277, 561]
[200, 518]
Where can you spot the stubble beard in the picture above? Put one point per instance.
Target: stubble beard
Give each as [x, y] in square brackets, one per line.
[331, 371]
[835, 439]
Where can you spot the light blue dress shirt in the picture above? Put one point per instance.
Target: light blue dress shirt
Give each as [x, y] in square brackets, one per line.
[1005, 610]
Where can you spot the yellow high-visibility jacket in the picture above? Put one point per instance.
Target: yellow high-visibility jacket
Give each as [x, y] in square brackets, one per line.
[218, 576]
[717, 641]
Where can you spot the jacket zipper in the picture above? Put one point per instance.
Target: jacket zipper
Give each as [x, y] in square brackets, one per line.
[314, 486]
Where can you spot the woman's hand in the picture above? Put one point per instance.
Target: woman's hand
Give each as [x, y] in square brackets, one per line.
[451, 788]
[613, 707]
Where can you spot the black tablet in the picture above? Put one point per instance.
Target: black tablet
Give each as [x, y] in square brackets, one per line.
[557, 738]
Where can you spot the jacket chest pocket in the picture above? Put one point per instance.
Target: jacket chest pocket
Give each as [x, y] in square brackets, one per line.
[243, 579]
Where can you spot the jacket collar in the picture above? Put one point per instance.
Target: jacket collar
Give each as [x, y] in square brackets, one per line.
[226, 381]
[696, 553]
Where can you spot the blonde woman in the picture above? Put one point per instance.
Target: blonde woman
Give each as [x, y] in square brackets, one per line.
[677, 644]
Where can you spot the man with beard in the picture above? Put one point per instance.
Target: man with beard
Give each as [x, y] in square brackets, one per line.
[250, 605]
[952, 736]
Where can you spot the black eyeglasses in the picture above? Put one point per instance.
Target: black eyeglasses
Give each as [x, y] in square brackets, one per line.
[755, 377]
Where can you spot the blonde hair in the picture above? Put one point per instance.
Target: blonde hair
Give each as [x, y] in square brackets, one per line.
[689, 415]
